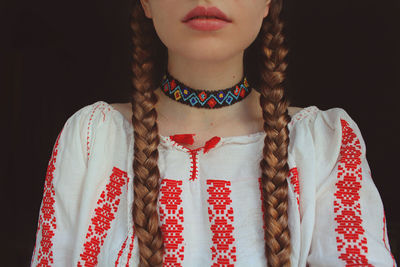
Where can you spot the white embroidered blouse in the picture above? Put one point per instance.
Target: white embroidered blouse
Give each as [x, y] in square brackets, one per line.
[210, 200]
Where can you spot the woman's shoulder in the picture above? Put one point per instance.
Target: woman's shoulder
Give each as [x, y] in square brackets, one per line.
[313, 116]
[321, 135]
[101, 112]
[98, 121]
[323, 126]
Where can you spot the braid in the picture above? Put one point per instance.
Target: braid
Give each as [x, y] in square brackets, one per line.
[148, 66]
[144, 121]
[274, 164]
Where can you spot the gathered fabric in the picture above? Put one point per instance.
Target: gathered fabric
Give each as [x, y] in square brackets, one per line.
[210, 205]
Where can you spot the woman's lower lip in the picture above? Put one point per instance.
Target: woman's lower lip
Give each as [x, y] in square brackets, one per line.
[207, 24]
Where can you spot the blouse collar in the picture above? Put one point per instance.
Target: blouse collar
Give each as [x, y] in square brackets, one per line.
[179, 140]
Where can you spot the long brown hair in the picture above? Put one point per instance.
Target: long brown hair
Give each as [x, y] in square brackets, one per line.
[264, 67]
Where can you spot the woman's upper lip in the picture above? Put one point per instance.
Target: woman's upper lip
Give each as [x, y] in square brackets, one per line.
[206, 11]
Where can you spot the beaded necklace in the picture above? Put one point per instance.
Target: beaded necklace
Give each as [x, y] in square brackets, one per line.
[178, 91]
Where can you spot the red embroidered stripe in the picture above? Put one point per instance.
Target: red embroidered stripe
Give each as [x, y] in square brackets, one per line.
[130, 248]
[194, 156]
[384, 239]
[120, 252]
[88, 130]
[102, 107]
[351, 242]
[179, 140]
[302, 114]
[221, 218]
[171, 218]
[107, 206]
[47, 218]
[294, 180]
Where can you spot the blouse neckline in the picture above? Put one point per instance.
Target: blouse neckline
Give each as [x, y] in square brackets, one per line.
[237, 139]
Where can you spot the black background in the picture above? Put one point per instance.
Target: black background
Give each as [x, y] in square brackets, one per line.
[57, 57]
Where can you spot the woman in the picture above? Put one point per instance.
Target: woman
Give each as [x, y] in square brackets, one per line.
[208, 164]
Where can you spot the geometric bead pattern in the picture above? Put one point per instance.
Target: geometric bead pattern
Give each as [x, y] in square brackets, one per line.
[104, 214]
[180, 92]
[47, 218]
[171, 218]
[351, 242]
[221, 217]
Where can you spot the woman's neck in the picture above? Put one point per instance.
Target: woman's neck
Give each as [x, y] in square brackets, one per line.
[241, 118]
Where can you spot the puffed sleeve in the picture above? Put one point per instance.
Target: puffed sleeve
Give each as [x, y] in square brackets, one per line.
[349, 225]
[58, 216]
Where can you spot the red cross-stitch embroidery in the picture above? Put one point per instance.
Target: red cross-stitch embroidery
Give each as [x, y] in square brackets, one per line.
[47, 218]
[294, 180]
[107, 207]
[302, 114]
[384, 239]
[120, 252]
[351, 242]
[180, 140]
[102, 107]
[221, 217]
[194, 166]
[171, 218]
[88, 130]
[130, 248]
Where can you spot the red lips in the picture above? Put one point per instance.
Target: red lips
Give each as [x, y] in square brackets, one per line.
[206, 11]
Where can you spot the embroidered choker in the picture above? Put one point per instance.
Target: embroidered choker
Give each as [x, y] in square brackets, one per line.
[177, 91]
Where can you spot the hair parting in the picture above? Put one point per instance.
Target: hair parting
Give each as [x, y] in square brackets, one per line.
[149, 61]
